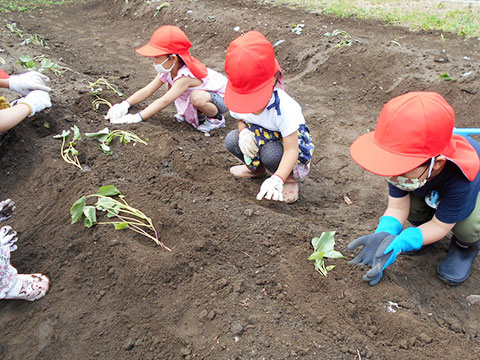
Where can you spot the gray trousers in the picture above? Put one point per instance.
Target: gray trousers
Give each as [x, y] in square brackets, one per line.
[270, 154]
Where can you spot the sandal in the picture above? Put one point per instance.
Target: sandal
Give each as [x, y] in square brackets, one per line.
[290, 192]
[242, 171]
[29, 287]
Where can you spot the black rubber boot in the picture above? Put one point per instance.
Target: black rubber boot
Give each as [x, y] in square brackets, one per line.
[457, 265]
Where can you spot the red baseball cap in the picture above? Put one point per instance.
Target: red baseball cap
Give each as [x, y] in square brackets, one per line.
[168, 40]
[411, 129]
[251, 66]
[3, 75]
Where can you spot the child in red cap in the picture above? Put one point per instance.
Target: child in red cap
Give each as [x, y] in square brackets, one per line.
[195, 89]
[434, 182]
[272, 133]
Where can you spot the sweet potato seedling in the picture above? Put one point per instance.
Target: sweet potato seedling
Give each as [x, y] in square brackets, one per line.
[323, 247]
[45, 64]
[68, 151]
[95, 90]
[27, 38]
[105, 137]
[110, 200]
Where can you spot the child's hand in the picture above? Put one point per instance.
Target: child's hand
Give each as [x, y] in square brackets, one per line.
[247, 143]
[370, 244]
[118, 110]
[8, 238]
[271, 189]
[127, 119]
[7, 207]
[36, 100]
[26, 82]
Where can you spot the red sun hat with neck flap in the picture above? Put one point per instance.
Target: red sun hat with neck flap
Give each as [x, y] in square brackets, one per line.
[168, 40]
[411, 129]
[251, 67]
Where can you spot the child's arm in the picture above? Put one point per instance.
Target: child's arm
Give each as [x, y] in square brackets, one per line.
[434, 230]
[177, 89]
[399, 208]
[4, 83]
[290, 156]
[12, 116]
[146, 91]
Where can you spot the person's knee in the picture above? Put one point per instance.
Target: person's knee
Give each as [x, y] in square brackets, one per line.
[231, 141]
[198, 98]
[271, 155]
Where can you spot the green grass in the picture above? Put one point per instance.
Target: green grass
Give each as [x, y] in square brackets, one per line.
[27, 5]
[449, 17]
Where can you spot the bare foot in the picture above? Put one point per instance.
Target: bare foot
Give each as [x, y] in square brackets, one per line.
[242, 171]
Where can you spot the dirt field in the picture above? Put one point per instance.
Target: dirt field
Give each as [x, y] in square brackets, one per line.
[237, 284]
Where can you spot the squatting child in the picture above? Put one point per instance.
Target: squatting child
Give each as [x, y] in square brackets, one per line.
[433, 181]
[272, 134]
[196, 90]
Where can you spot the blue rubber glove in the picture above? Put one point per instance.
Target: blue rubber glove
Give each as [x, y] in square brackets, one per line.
[408, 240]
[387, 226]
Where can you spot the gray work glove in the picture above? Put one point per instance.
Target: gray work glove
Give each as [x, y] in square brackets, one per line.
[370, 244]
[380, 262]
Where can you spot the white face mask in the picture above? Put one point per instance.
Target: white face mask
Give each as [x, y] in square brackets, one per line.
[160, 69]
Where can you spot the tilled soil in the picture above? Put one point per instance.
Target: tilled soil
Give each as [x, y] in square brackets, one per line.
[237, 284]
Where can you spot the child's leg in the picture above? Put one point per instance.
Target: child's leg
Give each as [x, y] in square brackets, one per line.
[464, 247]
[8, 274]
[420, 212]
[209, 103]
[231, 143]
[270, 155]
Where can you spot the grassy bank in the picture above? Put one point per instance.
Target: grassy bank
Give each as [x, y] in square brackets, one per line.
[458, 17]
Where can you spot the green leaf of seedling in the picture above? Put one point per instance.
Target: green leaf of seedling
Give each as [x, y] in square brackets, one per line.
[77, 209]
[90, 216]
[446, 77]
[76, 133]
[106, 149]
[121, 226]
[324, 248]
[114, 210]
[105, 203]
[73, 151]
[108, 190]
[100, 135]
[109, 138]
[65, 134]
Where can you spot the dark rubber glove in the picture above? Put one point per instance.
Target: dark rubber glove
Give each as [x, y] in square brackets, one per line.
[370, 244]
[388, 225]
[408, 240]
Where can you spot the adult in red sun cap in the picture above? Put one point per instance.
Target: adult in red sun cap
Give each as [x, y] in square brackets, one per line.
[197, 91]
[272, 134]
[433, 180]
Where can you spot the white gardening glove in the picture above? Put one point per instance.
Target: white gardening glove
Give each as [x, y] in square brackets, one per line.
[117, 111]
[7, 207]
[271, 189]
[29, 81]
[127, 119]
[8, 238]
[247, 143]
[37, 101]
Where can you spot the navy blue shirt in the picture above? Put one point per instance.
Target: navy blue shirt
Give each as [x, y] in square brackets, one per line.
[450, 192]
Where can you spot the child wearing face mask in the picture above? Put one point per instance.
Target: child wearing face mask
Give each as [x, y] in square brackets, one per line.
[434, 182]
[196, 90]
